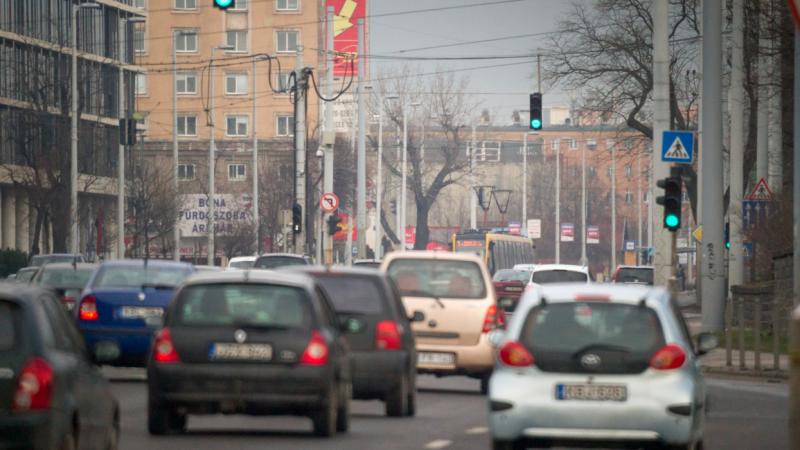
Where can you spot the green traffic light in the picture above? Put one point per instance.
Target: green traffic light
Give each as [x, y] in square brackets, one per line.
[672, 221]
[728, 245]
[223, 3]
[536, 124]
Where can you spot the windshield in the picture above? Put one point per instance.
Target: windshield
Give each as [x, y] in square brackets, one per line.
[25, 275]
[356, 294]
[127, 276]
[274, 262]
[51, 259]
[559, 276]
[512, 275]
[244, 264]
[8, 321]
[438, 278]
[635, 275]
[235, 304]
[66, 278]
[473, 246]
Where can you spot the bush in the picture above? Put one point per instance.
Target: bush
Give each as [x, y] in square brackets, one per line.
[11, 261]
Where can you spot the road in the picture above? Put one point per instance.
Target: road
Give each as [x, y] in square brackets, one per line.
[451, 414]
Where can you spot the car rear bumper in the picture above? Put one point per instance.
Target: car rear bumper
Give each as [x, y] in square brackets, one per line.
[469, 359]
[523, 405]
[133, 343]
[30, 431]
[377, 373]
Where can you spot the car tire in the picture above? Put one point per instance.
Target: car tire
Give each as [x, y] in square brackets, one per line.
[506, 445]
[324, 418]
[343, 412]
[162, 420]
[411, 405]
[397, 400]
[485, 383]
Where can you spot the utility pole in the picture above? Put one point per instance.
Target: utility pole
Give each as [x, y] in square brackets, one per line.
[398, 219]
[121, 153]
[736, 109]
[473, 196]
[584, 258]
[403, 183]
[300, 150]
[256, 217]
[663, 242]
[639, 202]
[176, 232]
[776, 123]
[329, 136]
[73, 154]
[613, 206]
[379, 188]
[361, 164]
[558, 204]
[713, 278]
[524, 224]
[762, 111]
[794, 370]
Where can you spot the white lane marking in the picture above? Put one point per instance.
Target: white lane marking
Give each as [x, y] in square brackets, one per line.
[439, 443]
[478, 430]
[777, 390]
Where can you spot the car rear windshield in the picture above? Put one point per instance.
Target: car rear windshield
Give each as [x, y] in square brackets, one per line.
[353, 294]
[622, 336]
[241, 264]
[64, 278]
[127, 276]
[274, 262]
[635, 275]
[257, 305]
[8, 321]
[512, 275]
[25, 275]
[50, 259]
[438, 278]
[559, 276]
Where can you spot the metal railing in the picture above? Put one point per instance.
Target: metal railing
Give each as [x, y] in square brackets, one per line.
[739, 323]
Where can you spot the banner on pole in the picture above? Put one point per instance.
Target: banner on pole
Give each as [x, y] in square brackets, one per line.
[567, 232]
[592, 234]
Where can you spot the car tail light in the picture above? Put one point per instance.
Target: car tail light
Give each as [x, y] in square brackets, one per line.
[88, 308]
[164, 349]
[34, 388]
[388, 336]
[515, 354]
[494, 319]
[316, 353]
[69, 302]
[670, 356]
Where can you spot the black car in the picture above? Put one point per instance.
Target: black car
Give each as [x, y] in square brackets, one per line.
[278, 260]
[51, 393]
[381, 343]
[249, 342]
[66, 280]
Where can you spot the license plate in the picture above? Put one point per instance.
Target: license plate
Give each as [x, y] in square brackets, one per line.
[250, 352]
[436, 358]
[140, 312]
[592, 392]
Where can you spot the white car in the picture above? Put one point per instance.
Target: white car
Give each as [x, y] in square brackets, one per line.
[597, 365]
[528, 267]
[241, 262]
[560, 273]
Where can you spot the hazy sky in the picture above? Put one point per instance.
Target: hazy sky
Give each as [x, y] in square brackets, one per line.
[506, 83]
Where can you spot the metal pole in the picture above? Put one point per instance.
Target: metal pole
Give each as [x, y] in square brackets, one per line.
[211, 164]
[361, 167]
[613, 207]
[662, 239]
[327, 179]
[762, 112]
[558, 204]
[176, 231]
[524, 224]
[121, 154]
[398, 212]
[639, 202]
[256, 216]
[379, 189]
[776, 123]
[403, 184]
[584, 259]
[736, 109]
[713, 284]
[794, 325]
[300, 151]
[473, 196]
[73, 165]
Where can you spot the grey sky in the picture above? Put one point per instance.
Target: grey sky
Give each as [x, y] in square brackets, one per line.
[509, 82]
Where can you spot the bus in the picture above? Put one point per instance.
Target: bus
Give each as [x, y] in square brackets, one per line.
[498, 251]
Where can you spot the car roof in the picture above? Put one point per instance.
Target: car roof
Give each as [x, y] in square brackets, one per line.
[140, 262]
[19, 292]
[617, 293]
[290, 255]
[65, 265]
[430, 254]
[343, 270]
[28, 269]
[568, 267]
[287, 278]
[242, 258]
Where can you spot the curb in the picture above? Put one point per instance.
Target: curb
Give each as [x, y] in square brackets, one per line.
[767, 375]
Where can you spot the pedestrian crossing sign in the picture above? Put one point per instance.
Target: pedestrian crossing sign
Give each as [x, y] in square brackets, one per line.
[677, 146]
[761, 193]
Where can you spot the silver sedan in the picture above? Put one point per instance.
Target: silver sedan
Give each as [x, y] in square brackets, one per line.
[598, 365]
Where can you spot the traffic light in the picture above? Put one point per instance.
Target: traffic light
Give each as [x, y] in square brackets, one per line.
[536, 111]
[671, 200]
[333, 224]
[224, 4]
[127, 131]
[727, 235]
[297, 218]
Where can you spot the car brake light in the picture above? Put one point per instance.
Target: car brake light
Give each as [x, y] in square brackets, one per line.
[34, 387]
[316, 353]
[494, 319]
[387, 336]
[88, 308]
[515, 354]
[164, 349]
[670, 356]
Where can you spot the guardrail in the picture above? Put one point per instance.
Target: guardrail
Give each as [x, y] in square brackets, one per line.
[752, 315]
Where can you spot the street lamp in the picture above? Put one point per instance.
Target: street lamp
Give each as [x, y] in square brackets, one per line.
[400, 225]
[256, 217]
[176, 229]
[73, 194]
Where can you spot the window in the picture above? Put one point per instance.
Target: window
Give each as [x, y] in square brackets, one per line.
[285, 126]
[141, 122]
[236, 83]
[186, 41]
[141, 84]
[628, 171]
[187, 125]
[554, 144]
[237, 40]
[186, 83]
[139, 4]
[236, 172]
[138, 40]
[286, 41]
[239, 5]
[609, 144]
[236, 125]
[573, 144]
[628, 197]
[610, 172]
[186, 4]
[628, 144]
[592, 172]
[186, 171]
[287, 5]
[591, 144]
[574, 172]
[282, 81]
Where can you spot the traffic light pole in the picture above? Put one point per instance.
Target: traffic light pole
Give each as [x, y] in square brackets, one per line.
[327, 178]
[736, 107]
[300, 146]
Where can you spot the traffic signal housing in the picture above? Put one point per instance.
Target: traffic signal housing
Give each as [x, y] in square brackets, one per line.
[536, 111]
[224, 4]
[297, 218]
[333, 224]
[672, 199]
[727, 235]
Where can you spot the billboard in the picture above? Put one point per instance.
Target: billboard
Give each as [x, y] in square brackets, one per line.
[345, 34]
[230, 211]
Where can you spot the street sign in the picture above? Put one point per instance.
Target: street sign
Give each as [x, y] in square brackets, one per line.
[754, 212]
[698, 234]
[761, 193]
[567, 232]
[535, 228]
[514, 228]
[677, 146]
[592, 234]
[329, 202]
[630, 246]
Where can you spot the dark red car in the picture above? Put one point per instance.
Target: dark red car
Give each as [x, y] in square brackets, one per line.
[509, 284]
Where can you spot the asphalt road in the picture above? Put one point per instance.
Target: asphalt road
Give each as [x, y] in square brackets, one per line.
[451, 414]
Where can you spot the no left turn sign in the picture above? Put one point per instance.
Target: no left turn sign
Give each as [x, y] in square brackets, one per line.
[329, 202]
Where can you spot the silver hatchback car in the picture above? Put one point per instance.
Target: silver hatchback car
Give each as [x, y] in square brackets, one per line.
[597, 365]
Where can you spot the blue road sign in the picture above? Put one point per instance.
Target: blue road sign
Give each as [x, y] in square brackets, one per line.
[677, 146]
[754, 212]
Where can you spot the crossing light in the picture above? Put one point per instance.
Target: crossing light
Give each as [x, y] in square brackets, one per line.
[727, 235]
[536, 111]
[297, 218]
[333, 224]
[224, 4]
[671, 200]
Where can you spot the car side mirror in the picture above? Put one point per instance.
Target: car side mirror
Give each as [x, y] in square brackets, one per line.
[706, 342]
[417, 316]
[495, 337]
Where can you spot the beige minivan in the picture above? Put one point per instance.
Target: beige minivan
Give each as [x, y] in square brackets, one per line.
[456, 295]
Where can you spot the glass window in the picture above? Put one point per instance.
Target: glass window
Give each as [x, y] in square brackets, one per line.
[287, 5]
[273, 262]
[135, 277]
[609, 144]
[243, 305]
[236, 39]
[186, 171]
[138, 39]
[554, 144]
[236, 172]
[512, 275]
[628, 197]
[438, 278]
[239, 5]
[139, 4]
[236, 83]
[8, 323]
[634, 275]
[186, 83]
[185, 4]
[591, 144]
[187, 125]
[628, 170]
[186, 41]
[287, 41]
[141, 84]
[64, 278]
[573, 144]
[236, 125]
[285, 126]
[559, 276]
[353, 294]
[282, 81]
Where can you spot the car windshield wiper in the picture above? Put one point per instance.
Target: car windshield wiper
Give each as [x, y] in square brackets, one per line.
[157, 286]
[260, 326]
[425, 294]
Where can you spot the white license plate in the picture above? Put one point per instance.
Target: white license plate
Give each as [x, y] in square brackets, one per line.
[445, 359]
[140, 312]
[592, 392]
[252, 352]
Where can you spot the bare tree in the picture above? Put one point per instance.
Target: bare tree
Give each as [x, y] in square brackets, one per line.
[155, 209]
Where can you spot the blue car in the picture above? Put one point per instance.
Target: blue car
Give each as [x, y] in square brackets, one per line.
[122, 305]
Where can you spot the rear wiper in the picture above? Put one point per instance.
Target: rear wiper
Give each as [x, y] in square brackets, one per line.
[261, 326]
[157, 286]
[426, 294]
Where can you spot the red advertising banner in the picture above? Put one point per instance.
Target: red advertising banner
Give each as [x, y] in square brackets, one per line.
[344, 225]
[345, 34]
[592, 234]
[567, 232]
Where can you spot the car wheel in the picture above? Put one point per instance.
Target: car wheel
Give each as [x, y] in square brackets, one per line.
[343, 413]
[162, 420]
[485, 383]
[397, 400]
[325, 418]
[506, 445]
